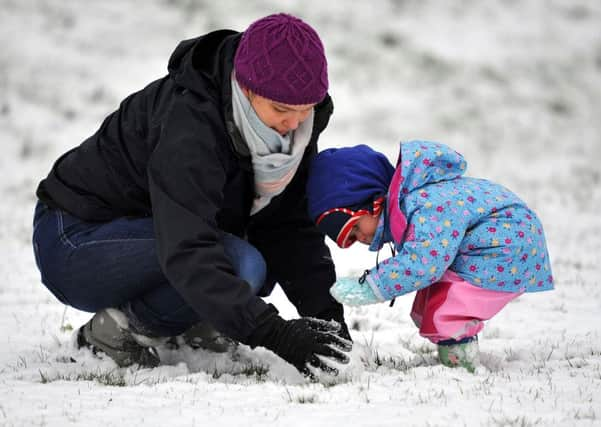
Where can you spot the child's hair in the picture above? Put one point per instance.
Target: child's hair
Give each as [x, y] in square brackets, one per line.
[344, 184]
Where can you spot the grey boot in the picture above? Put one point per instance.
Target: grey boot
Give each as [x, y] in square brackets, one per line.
[108, 332]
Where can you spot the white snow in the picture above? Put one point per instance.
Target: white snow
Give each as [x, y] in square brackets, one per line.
[515, 85]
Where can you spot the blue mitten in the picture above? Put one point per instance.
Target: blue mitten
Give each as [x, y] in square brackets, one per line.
[349, 291]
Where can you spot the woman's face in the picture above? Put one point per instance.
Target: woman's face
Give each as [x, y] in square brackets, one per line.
[282, 118]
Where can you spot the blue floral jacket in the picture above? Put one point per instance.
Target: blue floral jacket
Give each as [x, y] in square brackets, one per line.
[439, 219]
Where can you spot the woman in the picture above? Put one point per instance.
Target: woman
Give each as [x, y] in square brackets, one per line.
[190, 200]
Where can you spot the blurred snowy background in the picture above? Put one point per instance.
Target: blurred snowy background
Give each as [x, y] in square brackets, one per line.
[515, 85]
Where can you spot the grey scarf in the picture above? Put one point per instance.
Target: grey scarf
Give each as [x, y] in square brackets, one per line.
[275, 158]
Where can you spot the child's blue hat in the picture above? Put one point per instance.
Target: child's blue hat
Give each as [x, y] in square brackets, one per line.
[343, 184]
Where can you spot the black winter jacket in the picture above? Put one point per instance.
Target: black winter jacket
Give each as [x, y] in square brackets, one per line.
[172, 151]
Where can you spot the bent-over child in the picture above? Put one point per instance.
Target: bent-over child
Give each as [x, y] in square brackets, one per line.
[466, 246]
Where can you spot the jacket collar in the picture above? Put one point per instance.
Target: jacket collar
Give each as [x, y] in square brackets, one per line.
[213, 56]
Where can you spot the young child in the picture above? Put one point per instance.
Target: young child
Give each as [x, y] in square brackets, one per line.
[467, 246]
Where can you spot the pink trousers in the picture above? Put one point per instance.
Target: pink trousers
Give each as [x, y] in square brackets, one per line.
[453, 308]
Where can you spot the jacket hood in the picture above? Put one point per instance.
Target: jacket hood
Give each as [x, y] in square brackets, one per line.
[427, 162]
[204, 66]
[419, 163]
[205, 61]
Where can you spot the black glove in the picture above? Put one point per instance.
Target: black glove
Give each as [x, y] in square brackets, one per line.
[336, 312]
[300, 341]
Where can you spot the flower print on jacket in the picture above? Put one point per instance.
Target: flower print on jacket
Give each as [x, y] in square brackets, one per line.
[474, 227]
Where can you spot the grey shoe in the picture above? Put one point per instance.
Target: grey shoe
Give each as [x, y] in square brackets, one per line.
[203, 335]
[108, 332]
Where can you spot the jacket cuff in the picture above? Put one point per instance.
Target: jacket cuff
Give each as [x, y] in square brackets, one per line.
[375, 288]
[266, 323]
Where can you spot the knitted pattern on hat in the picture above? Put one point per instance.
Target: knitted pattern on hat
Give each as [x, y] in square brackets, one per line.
[282, 58]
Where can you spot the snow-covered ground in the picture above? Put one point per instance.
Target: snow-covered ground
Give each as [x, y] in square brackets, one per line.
[514, 85]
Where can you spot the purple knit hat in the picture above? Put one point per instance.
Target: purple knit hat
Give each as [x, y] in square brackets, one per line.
[281, 58]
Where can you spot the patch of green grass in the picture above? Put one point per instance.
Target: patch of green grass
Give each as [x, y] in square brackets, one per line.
[258, 371]
[309, 398]
[302, 398]
[391, 362]
[111, 378]
[255, 370]
[519, 421]
[586, 415]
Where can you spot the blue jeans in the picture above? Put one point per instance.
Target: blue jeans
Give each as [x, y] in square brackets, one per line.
[96, 265]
